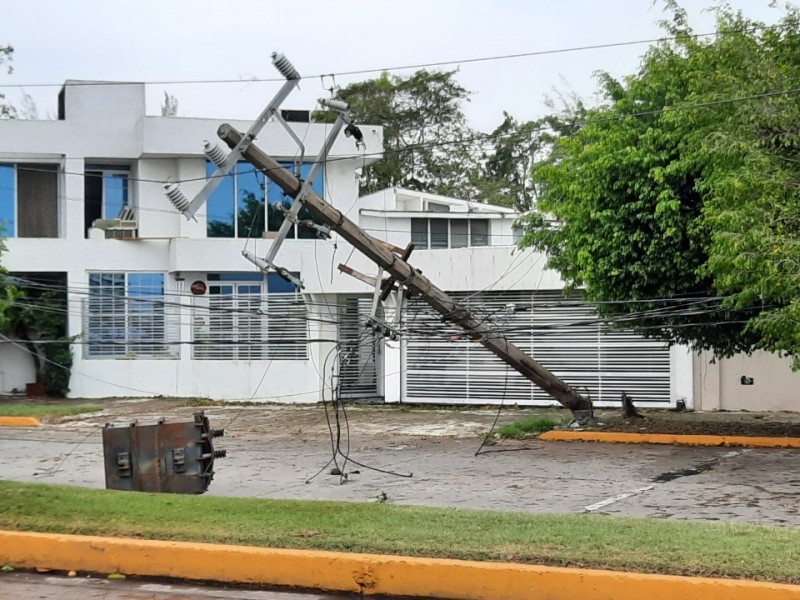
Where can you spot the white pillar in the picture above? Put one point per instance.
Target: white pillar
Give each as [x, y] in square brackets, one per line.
[71, 226]
[322, 326]
[392, 367]
[681, 375]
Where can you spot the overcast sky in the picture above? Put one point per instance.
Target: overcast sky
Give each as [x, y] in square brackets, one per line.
[174, 40]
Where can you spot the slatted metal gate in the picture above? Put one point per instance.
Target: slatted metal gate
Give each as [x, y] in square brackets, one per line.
[360, 351]
[441, 366]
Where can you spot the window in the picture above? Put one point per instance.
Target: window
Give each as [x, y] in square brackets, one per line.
[29, 200]
[419, 232]
[449, 233]
[247, 316]
[106, 192]
[279, 202]
[236, 208]
[479, 233]
[459, 234]
[126, 317]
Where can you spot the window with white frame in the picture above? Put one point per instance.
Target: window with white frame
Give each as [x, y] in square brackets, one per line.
[106, 192]
[449, 233]
[28, 200]
[126, 316]
[247, 316]
[245, 204]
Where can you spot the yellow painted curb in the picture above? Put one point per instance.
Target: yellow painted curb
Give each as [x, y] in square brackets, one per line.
[370, 574]
[667, 438]
[19, 422]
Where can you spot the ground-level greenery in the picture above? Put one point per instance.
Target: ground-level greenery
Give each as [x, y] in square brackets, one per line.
[648, 545]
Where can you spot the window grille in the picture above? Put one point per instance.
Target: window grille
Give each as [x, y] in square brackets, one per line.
[239, 322]
[126, 316]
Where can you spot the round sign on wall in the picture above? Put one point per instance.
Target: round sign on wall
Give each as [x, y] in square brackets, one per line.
[198, 288]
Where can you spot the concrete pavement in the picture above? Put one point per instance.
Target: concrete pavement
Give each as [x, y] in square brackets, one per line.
[273, 451]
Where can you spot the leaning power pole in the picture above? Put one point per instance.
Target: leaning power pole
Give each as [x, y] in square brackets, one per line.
[406, 276]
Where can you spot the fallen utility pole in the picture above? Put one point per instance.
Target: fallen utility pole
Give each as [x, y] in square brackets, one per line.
[405, 275]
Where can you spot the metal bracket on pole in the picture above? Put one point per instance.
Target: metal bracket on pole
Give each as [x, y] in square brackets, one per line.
[382, 328]
[376, 295]
[399, 304]
[265, 266]
[297, 161]
[344, 118]
[179, 199]
[323, 231]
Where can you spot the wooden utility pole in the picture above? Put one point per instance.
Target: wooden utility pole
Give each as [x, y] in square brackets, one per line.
[413, 280]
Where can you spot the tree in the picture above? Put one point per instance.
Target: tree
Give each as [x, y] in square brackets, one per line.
[682, 186]
[6, 56]
[169, 108]
[506, 173]
[427, 143]
[7, 291]
[37, 318]
[28, 108]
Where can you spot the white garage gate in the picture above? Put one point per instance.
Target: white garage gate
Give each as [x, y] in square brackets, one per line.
[562, 333]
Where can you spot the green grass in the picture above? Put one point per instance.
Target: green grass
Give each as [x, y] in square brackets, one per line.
[526, 426]
[647, 545]
[43, 410]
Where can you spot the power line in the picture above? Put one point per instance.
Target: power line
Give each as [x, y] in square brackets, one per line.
[488, 136]
[406, 67]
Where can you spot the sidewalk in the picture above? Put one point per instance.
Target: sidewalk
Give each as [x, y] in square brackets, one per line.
[364, 573]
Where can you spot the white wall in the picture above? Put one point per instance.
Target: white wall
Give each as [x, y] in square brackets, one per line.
[16, 368]
[717, 384]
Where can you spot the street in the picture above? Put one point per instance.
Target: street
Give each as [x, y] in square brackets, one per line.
[283, 452]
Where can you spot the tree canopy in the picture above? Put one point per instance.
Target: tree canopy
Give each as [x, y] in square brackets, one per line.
[426, 139]
[675, 202]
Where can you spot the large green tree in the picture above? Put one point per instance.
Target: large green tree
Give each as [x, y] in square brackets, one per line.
[427, 143]
[682, 185]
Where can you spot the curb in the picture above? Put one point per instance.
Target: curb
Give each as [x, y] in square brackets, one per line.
[19, 422]
[364, 573]
[667, 438]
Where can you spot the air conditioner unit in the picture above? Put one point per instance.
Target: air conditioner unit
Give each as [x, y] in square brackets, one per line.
[123, 227]
[121, 234]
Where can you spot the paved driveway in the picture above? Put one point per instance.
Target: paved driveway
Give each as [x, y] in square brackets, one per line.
[275, 452]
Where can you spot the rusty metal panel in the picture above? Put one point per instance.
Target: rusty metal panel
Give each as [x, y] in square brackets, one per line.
[175, 456]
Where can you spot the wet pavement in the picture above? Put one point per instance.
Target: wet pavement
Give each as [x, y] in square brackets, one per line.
[427, 457]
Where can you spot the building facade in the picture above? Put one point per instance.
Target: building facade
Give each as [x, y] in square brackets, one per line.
[161, 305]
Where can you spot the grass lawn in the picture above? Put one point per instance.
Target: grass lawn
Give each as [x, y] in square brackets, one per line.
[648, 545]
[44, 410]
[532, 424]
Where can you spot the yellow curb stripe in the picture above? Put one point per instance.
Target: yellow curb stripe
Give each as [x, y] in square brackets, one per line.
[667, 438]
[19, 422]
[370, 574]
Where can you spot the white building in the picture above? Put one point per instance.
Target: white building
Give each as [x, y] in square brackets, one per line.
[160, 305]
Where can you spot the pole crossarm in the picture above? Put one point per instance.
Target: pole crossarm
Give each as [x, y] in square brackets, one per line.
[412, 279]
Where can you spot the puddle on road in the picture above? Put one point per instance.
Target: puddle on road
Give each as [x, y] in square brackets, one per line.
[673, 475]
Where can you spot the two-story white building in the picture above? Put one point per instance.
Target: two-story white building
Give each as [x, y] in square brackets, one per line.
[161, 305]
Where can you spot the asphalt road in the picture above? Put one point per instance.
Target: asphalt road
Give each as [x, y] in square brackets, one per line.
[275, 452]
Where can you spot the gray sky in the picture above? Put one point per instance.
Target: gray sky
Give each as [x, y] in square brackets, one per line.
[150, 40]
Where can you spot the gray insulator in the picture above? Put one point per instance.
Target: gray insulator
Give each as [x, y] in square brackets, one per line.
[334, 104]
[214, 153]
[176, 196]
[284, 67]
